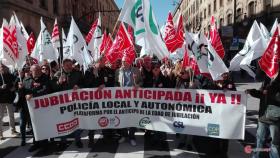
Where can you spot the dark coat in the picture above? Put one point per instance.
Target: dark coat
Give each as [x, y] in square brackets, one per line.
[7, 95]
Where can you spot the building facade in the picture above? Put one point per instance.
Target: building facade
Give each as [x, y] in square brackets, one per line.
[197, 13]
[83, 11]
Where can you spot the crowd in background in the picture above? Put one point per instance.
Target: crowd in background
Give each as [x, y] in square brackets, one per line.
[146, 72]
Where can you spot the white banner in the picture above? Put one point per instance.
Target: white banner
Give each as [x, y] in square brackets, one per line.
[210, 113]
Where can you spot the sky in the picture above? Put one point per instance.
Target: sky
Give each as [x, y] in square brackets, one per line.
[160, 7]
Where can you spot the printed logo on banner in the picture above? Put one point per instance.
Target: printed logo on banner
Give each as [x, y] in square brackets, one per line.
[103, 121]
[213, 129]
[112, 122]
[115, 121]
[144, 122]
[67, 127]
[179, 126]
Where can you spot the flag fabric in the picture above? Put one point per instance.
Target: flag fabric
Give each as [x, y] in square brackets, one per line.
[130, 32]
[132, 14]
[96, 40]
[64, 38]
[170, 34]
[22, 44]
[254, 48]
[74, 44]
[31, 43]
[180, 32]
[104, 42]
[10, 46]
[122, 46]
[269, 62]
[26, 36]
[91, 31]
[152, 33]
[87, 59]
[207, 58]
[44, 49]
[146, 31]
[55, 36]
[186, 59]
[254, 51]
[274, 27]
[265, 33]
[215, 39]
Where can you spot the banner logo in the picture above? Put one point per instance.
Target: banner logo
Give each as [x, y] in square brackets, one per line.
[67, 126]
[178, 124]
[112, 122]
[103, 122]
[213, 129]
[144, 122]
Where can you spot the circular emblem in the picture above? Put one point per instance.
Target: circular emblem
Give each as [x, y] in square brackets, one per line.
[103, 121]
[144, 122]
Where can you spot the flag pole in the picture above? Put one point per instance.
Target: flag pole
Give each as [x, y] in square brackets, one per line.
[2, 78]
[115, 26]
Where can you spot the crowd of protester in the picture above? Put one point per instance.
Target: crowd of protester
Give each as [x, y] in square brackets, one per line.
[146, 72]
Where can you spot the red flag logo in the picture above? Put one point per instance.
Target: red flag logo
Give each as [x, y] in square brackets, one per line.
[269, 62]
[91, 31]
[121, 46]
[10, 39]
[216, 40]
[31, 43]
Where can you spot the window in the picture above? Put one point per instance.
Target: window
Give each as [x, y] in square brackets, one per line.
[251, 8]
[44, 4]
[229, 19]
[221, 3]
[239, 15]
[55, 7]
[221, 22]
[215, 8]
[209, 9]
[205, 13]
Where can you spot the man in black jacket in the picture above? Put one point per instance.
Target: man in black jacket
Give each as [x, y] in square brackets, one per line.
[268, 126]
[7, 96]
[68, 79]
[37, 84]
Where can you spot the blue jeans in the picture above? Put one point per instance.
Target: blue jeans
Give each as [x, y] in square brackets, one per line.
[263, 131]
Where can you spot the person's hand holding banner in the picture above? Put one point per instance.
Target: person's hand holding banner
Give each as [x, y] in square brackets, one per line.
[28, 97]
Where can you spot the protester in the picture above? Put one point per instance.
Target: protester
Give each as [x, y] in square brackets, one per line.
[128, 76]
[68, 79]
[22, 105]
[269, 117]
[37, 84]
[7, 91]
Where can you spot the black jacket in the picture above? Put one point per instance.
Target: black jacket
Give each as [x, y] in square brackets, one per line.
[73, 78]
[7, 95]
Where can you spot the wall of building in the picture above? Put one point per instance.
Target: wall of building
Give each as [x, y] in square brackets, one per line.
[83, 11]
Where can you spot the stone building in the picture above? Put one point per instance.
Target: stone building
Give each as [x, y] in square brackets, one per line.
[197, 13]
[83, 11]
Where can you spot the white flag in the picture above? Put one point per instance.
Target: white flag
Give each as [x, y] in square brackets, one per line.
[152, 32]
[26, 36]
[253, 37]
[195, 46]
[22, 45]
[87, 59]
[274, 27]
[254, 47]
[132, 14]
[96, 40]
[265, 33]
[43, 48]
[64, 38]
[75, 43]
